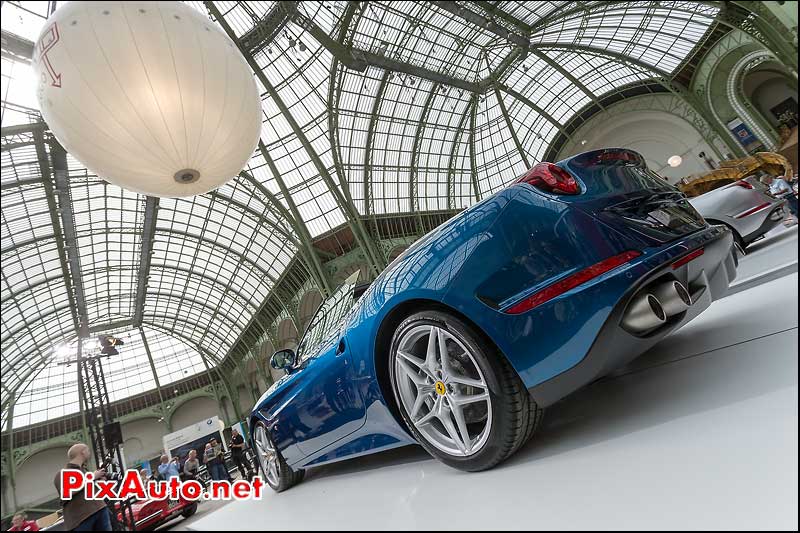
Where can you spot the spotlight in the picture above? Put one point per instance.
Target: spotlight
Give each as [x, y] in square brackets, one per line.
[675, 161]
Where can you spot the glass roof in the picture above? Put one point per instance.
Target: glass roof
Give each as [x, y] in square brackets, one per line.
[427, 124]
[53, 392]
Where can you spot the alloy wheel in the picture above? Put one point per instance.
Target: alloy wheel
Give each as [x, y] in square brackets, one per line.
[267, 456]
[443, 390]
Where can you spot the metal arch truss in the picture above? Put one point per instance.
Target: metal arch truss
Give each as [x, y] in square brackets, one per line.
[376, 260]
[145, 256]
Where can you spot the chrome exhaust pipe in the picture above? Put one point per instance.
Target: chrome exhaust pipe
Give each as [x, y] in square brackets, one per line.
[673, 296]
[644, 313]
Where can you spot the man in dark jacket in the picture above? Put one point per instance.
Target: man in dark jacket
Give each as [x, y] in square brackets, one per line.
[81, 514]
[237, 454]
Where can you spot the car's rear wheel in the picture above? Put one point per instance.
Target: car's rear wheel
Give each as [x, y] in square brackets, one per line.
[278, 475]
[189, 511]
[737, 239]
[458, 396]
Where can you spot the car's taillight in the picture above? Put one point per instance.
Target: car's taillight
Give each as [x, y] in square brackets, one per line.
[572, 281]
[753, 210]
[551, 178]
[742, 183]
[691, 256]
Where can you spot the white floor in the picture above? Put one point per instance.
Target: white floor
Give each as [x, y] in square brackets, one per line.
[701, 432]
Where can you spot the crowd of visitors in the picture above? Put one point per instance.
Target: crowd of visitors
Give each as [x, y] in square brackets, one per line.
[81, 514]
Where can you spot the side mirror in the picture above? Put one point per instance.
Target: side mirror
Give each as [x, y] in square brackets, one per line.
[283, 360]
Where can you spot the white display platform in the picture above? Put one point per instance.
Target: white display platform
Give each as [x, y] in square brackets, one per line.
[700, 432]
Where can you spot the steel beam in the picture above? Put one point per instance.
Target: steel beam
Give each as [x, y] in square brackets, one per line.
[376, 260]
[358, 59]
[413, 195]
[214, 244]
[373, 121]
[528, 102]
[266, 29]
[473, 167]
[15, 47]
[61, 245]
[145, 256]
[12, 464]
[510, 126]
[451, 167]
[16, 129]
[153, 370]
[567, 74]
[61, 175]
[479, 20]
[320, 274]
[260, 218]
[523, 27]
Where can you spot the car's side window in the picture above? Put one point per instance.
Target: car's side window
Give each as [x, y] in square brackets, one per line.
[327, 319]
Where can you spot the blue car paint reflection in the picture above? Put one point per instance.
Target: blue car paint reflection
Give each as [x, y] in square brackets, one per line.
[337, 404]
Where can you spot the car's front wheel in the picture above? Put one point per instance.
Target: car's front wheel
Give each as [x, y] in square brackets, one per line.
[278, 475]
[459, 397]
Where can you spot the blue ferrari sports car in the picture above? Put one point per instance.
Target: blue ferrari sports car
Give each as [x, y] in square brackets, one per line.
[570, 272]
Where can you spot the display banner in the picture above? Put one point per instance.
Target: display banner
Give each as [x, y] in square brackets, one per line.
[194, 437]
[745, 137]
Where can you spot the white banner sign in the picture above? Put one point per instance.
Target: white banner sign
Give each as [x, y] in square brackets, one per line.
[191, 433]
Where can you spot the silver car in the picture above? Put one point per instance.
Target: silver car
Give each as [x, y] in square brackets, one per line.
[744, 206]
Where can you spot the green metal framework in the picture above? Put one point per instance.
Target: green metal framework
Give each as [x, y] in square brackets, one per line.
[381, 119]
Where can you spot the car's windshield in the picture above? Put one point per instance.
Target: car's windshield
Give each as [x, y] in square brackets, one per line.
[327, 319]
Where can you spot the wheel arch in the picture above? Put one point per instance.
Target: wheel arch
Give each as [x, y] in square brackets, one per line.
[383, 340]
[737, 237]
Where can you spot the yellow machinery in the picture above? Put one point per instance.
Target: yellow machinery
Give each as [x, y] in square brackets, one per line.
[734, 170]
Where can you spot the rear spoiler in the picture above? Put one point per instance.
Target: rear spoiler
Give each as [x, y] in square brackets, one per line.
[607, 156]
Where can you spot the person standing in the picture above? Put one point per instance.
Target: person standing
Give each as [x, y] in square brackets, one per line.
[219, 452]
[168, 469]
[238, 456]
[191, 466]
[81, 514]
[780, 188]
[213, 460]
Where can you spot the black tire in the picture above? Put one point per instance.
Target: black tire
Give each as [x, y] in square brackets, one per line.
[189, 511]
[515, 414]
[737, 239]
[287, 477]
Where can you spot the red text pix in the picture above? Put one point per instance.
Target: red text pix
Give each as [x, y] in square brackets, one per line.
[132, 486]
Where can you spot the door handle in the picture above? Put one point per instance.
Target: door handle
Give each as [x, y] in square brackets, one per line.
[340, 348]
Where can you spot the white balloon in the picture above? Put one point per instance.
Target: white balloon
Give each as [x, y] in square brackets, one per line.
[151, 96]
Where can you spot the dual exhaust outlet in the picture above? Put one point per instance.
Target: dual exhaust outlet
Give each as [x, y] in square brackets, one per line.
[651, 307]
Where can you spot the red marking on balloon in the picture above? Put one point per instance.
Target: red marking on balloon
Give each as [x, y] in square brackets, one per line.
[52, 33]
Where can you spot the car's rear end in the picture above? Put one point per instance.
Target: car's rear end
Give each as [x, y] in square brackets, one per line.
[743, 205]
[592, 261]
